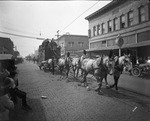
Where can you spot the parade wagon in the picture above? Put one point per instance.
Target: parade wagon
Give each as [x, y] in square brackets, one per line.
[48, 50]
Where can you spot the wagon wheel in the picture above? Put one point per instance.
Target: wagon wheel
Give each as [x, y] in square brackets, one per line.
[136, 71]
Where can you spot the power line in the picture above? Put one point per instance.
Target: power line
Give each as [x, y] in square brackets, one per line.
[78, 17]
[15, 30]
[22, 35]
[18, 27]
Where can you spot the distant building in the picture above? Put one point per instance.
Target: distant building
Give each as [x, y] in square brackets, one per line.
[130, 19]
[16, 53]
[72, 43]
[6, 46]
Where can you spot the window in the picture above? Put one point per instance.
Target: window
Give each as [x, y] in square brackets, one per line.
[130, 18]
[109, 26]
[115, 23]
[91, 45]
[94, 30]
[149, 10]
[104, 43]
[103, 28]
[141, 14]
[89, 33]
[80, 44]
[62, 44]
[98, 30]
[71, 44]
[122, 21]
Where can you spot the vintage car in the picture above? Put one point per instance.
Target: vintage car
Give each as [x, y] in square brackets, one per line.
[141, 70]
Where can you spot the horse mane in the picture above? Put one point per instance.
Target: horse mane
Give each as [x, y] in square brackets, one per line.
[121, 59]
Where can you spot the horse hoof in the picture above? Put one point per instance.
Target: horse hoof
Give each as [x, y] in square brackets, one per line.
[79, 84]
[82, 84]
[96, 90]
[107, 87]
[88, 89]
[100, 92]
[111, 86]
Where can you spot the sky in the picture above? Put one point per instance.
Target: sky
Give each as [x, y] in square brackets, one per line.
[43, 19]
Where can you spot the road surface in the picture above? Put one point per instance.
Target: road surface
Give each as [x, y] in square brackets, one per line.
[70, 102]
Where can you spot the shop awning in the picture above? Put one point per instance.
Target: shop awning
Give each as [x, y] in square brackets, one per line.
[139, 44]
[6, 56]
[102, 48]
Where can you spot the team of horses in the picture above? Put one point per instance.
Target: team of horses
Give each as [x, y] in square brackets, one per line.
[99, 67]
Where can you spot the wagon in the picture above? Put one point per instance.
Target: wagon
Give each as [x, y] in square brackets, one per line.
[48, 50]
[142, 70]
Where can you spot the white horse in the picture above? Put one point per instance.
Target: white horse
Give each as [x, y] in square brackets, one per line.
[48, 64]
[99, 67]
[61, 64]
[75, 65]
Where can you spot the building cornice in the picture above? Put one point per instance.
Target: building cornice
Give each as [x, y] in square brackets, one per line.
[106, 8]
[65, 35]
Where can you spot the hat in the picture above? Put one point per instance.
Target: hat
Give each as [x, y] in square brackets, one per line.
[68, 54]
[8, 82]
[84, 51]
[97, 56]
[12, 74]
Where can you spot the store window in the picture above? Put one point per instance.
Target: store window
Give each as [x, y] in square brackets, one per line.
[130, 18]
[109, 26]
[103, 28]
[81, 44]
[94, 30]
[98, 30]
[71, 44]
[89, 33]
[141, 14]
[115, 24]
[122, 21]
[62, 44]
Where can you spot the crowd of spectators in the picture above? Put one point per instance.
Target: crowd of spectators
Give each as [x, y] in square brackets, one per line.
[143, 60]
[9, 91]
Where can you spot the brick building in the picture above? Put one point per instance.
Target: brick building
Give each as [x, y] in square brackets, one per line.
[6, 46]
[127, 18]
[72, 44]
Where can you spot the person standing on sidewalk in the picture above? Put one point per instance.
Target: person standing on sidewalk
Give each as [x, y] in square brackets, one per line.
[6, 103]
[84, 55]
[53, 65]
[15, 92]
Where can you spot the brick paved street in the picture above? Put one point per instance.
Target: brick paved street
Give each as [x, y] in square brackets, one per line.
[70, 102]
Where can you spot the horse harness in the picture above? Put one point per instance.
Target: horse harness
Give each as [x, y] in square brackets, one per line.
[100, 67]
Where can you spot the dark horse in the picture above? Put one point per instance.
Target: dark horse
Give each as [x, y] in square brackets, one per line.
[119, 64]
[99, 67]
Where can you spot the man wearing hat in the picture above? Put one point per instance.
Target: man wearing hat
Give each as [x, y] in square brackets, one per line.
[67, 64]
[148, 61]
[84, 55]
[5, 103]
[15, 92]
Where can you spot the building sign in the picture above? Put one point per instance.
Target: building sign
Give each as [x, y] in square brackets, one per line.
[119, 41]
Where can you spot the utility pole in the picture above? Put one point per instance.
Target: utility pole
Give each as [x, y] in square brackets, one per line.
[58, 34]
